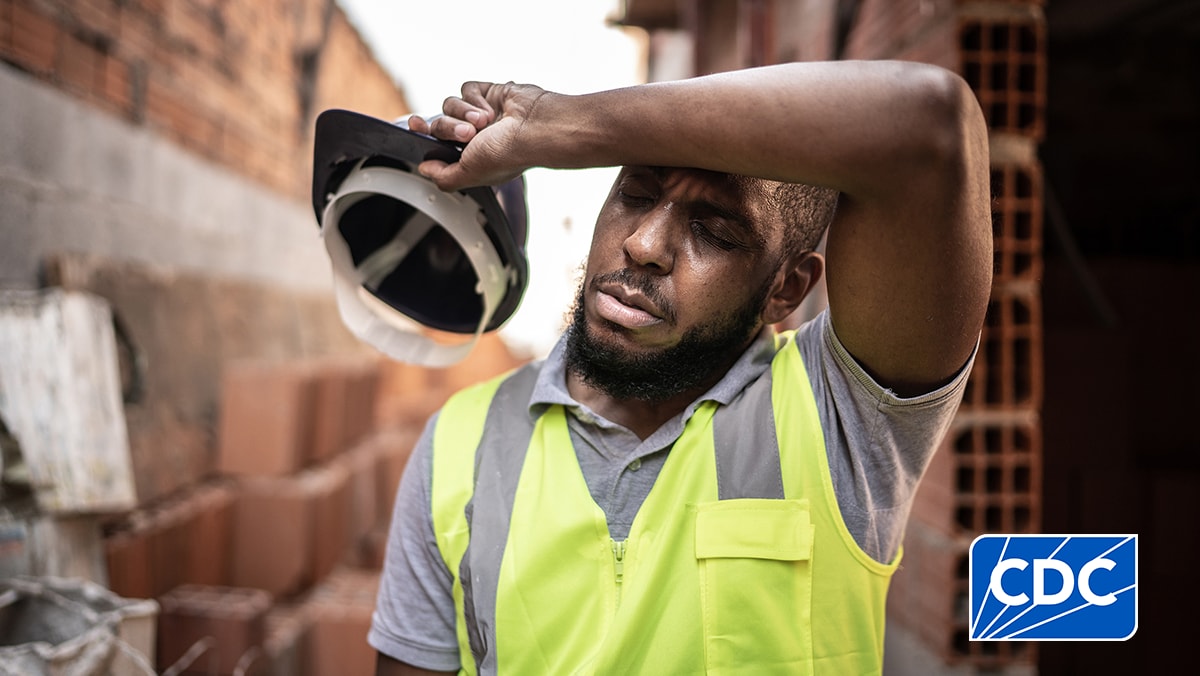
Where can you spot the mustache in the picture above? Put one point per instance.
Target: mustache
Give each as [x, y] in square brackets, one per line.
[648, 285]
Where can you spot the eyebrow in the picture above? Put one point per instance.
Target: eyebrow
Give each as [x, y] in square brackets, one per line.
[736, 216]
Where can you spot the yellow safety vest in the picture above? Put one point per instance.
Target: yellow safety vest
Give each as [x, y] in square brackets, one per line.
[738, 562]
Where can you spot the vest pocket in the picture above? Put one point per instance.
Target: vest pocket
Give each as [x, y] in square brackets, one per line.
[755, 585]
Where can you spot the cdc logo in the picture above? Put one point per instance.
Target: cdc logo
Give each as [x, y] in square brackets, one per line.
[1053, 587]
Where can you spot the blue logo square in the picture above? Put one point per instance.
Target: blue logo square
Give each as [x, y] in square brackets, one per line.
[1053, 587]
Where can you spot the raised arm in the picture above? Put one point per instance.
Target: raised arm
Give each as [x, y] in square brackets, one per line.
[910, 247]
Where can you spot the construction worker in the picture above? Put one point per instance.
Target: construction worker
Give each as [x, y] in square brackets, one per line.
[679, 487]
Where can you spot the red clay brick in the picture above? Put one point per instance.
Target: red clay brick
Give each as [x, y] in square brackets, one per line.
[338, 643]
[290, 532]
[232, 619]
[265, 420]
[288, 637]
[35, 39]
[401, 388]
[168, 541]
[183, 539]
[176, 113]
[330, 420]
[6, 26]
[885, 27]
[184, 23]
[393, 448]
[347, 587]
[273, 535]
[156, 7]
[79, 65]
[209, 533]
[138, 34]
[1017, 222]
[97, 17]
[361, 464]
[240, 67]
[1004, 61]
[116, 86]
[341, 609]
[362, 400]
[127, 557]
[332, 519]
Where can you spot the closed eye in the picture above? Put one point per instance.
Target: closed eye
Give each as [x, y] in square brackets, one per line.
[633, 198]
[706, 234]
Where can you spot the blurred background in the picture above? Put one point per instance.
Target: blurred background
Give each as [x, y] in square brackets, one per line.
[194, 447]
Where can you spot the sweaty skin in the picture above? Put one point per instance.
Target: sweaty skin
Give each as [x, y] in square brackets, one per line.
[909, 249]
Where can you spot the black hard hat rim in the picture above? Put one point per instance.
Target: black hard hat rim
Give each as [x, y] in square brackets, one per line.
[344, 137]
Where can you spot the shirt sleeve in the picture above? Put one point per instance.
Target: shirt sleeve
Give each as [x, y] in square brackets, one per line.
[414, 612]
[878, 444]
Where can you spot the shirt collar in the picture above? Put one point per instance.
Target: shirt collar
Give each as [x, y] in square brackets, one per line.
[550, 388]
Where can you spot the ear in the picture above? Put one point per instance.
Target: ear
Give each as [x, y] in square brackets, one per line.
[792, 283]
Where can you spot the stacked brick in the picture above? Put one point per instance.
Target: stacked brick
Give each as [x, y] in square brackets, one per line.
[271, 565]
[986, 478]
[276, 480]
[302, 473]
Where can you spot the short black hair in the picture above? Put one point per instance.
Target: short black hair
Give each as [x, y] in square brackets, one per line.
[805, 211]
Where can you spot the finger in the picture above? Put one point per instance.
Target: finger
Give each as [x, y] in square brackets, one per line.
[476, 94]
[465, 110]
[418, 124]
[452, 129]
[430, 127]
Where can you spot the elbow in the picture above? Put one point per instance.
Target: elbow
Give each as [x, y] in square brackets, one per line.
[952, 121]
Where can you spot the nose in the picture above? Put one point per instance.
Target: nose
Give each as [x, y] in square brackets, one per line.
[650, 244]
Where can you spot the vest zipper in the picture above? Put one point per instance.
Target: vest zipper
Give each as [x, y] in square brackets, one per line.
[618, 548]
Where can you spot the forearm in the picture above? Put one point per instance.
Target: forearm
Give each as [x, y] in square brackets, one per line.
[848, 125]
[904, 144]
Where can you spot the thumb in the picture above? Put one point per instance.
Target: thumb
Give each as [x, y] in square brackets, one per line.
[445, 176]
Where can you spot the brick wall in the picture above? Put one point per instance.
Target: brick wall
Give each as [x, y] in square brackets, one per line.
[987, 477]
[238, 83]
[286, 526]
[157, 153]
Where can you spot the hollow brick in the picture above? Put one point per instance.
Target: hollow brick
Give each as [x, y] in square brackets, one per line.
[265, 419]
[230, 621]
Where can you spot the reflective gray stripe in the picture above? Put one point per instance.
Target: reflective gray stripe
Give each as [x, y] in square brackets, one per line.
[498, 462]
[746, 445]
[747, 457]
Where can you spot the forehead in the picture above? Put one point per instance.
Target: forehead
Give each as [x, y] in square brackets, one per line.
[716, 185]
[744, 199]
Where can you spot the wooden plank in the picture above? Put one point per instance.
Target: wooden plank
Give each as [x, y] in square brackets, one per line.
[60, 397]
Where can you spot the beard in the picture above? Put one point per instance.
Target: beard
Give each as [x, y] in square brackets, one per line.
[658, 375]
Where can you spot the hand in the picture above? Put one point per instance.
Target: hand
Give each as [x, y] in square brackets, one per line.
[488, 118]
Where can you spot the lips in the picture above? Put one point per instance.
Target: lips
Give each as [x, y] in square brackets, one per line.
[626, 308]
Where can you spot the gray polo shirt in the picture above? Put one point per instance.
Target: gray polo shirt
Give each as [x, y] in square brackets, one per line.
[878, 446]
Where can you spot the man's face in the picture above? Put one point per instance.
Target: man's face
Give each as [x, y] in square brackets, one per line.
[680, 265]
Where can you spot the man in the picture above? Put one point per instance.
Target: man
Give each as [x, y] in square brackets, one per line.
[677, 489]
